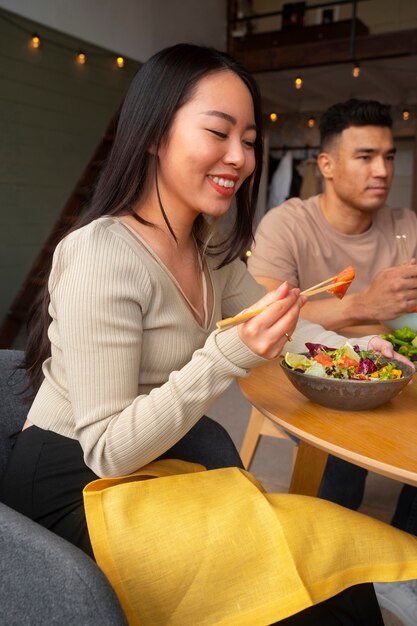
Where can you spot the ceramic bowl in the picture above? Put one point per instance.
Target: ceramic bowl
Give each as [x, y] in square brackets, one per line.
[410, 319]
[349, 395]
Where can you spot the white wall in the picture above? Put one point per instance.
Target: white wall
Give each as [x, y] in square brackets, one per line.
[133, 28]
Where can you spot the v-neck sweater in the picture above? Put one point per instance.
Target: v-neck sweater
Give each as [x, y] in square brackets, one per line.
[131, 370]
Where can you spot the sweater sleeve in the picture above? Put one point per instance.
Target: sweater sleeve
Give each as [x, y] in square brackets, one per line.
[99, 299]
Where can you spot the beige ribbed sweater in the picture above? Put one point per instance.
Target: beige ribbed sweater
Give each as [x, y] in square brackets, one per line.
[131, 370]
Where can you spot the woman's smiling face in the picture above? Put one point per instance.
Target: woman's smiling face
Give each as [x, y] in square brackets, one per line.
[209, 150]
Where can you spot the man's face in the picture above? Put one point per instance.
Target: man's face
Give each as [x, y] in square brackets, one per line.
[361, 166]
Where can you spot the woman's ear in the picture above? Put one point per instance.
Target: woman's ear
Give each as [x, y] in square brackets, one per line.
[325, 164]
[153, 150]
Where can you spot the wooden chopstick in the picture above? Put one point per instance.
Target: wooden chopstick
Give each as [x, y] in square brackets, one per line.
[311, 291]
[324, 282]
[229, 322]
[402, 248]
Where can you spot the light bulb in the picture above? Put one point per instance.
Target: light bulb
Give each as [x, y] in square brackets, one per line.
[356, 71]
[81, 58]
[120, 62]
[311, 122]
[298, 82]
[35, 42]
[406, 115]
[273, 117]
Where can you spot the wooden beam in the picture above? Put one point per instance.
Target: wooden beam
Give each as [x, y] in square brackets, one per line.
[314, 54]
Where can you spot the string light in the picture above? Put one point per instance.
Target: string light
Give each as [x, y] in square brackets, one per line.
[356, 71]
[273, 117]
[35, 42]
[80, 57]
[311, 122]
[406, 115]
[298, 82]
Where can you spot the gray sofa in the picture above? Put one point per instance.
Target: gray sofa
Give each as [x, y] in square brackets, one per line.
[44, 579]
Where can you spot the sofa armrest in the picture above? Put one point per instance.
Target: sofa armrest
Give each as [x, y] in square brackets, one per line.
[47, 580]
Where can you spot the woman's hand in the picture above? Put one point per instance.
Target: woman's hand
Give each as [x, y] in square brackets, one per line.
[386, 349]
[265, 334]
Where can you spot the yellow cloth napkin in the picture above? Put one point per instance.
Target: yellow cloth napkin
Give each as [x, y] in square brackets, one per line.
[196, 547]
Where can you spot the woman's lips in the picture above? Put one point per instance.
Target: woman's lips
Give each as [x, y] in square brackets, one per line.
[225, 185]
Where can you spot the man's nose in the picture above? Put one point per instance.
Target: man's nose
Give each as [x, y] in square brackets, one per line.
[381, 167]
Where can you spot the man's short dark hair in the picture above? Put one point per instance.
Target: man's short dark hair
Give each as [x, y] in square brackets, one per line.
[353, 112]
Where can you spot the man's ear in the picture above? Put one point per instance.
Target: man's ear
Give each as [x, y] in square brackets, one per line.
[325, 163]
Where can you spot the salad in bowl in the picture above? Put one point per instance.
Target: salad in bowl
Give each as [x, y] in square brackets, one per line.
[346, 362]
[346, 378]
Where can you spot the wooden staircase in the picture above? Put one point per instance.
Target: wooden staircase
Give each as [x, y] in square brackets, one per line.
[38, 273]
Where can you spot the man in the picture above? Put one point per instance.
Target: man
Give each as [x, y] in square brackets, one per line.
[306, 241]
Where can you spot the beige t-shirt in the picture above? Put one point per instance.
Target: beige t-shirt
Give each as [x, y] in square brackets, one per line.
[294, 242]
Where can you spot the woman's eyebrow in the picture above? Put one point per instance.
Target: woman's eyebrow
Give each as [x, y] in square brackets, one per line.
[227, 117]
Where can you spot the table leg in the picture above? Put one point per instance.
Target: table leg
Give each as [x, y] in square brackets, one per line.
[308, 470]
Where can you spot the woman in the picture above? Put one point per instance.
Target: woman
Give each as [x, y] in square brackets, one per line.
[130, 362]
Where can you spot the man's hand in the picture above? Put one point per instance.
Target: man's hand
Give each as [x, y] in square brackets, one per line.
[393, 292]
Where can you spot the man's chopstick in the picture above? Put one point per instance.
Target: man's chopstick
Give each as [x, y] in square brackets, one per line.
[402, 248]
[229, 322]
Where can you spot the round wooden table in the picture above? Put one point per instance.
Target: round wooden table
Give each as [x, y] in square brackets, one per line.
[383, 440]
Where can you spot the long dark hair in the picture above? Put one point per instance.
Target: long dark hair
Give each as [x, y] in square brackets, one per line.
[162, 86]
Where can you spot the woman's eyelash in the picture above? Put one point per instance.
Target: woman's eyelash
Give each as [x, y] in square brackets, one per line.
[250, 144]
[218, 133]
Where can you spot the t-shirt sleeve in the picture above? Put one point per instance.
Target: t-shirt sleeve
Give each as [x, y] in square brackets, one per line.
[273, 254]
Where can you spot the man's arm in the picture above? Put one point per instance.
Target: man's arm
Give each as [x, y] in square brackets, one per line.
[392, 292]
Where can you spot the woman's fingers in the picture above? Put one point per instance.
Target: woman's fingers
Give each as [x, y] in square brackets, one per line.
[265, 334]
[270, 297]
[274, 310]
[386, 349]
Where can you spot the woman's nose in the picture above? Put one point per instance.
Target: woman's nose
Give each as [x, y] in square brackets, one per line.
[235, 154]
